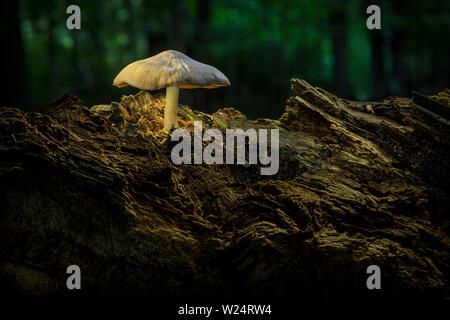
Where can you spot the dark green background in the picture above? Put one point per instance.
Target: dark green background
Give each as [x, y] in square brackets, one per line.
[259, 45]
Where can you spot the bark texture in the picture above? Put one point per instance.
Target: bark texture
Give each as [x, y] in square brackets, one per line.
[359, 184]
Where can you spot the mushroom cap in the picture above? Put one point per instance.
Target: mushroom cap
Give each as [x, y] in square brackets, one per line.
[170, 68]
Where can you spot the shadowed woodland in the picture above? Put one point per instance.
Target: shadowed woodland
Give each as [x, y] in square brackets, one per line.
[89, 179]
[259, 45]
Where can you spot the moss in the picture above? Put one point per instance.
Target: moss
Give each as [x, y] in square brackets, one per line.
[224, 126]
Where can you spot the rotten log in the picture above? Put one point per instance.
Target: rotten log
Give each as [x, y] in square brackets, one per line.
[96, 187]
[431, 105]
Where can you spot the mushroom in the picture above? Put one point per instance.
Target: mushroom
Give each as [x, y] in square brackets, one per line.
[171, 70]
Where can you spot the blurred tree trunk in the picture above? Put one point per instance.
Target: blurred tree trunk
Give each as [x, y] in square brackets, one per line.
[233, 70]
[339, 20]
[13, 57]
[97, 65]
[157, 28]
[399, 70]
[201, 29]
[156, 42]
[379, 81]
[75, 62]
[177, 25]
[198, 49]
[51, 56]
[131, 32]
[233, 75]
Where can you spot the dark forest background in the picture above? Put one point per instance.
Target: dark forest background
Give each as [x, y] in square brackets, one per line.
[258, 45]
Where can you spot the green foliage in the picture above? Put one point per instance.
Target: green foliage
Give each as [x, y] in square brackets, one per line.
[259, 45]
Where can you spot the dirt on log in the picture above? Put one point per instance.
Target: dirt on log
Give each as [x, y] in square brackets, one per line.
[359, 184]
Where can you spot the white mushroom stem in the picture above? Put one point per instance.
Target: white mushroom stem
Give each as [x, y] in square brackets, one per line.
[171, 108]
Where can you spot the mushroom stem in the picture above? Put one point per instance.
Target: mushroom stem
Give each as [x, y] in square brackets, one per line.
[171, 108]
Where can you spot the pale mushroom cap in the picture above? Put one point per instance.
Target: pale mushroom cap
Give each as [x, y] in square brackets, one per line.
[170, 68]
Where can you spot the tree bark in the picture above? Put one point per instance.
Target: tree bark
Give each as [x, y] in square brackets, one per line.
[95, 188]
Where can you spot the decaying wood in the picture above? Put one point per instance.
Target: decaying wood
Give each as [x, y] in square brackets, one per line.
[431, 105]
[97, 187]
